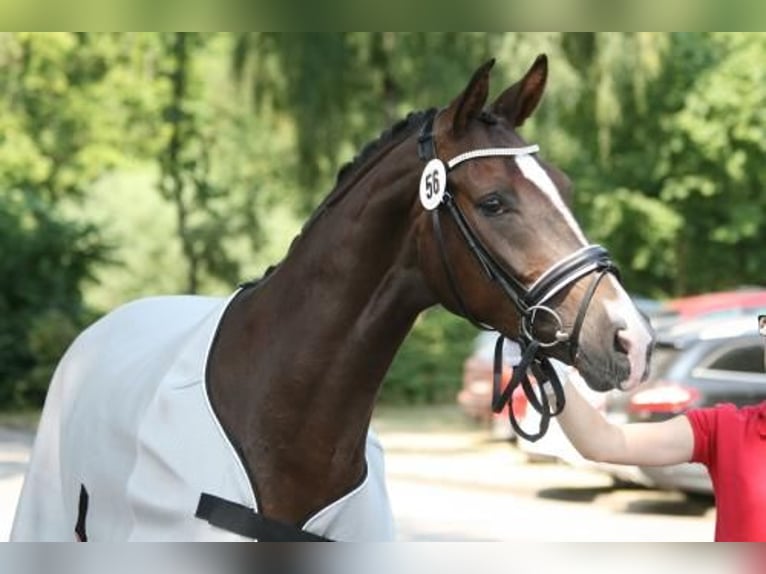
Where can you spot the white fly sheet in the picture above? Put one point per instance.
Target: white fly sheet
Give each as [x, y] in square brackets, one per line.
[128, 418]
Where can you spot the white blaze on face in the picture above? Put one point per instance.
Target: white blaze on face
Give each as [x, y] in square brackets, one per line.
[636, 337]
[535, 173]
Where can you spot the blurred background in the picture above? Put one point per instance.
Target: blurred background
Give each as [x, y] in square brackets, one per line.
[146, 163]
[137, 164]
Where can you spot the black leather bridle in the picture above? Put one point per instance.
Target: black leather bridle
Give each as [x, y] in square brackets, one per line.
[529, 301]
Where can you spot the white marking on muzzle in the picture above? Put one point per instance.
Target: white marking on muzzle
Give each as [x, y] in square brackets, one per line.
[636, 335]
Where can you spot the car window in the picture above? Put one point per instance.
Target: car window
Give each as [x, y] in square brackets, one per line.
[663, 359]
[747, 359]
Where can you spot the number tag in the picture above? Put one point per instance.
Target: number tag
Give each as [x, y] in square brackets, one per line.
[433, 183]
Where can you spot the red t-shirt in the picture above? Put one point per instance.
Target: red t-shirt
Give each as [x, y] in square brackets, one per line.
[731, 443]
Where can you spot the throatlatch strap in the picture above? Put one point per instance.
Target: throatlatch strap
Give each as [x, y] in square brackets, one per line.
[244, 521]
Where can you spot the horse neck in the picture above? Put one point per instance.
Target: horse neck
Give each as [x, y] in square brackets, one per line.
[353, 290]
[304, 355]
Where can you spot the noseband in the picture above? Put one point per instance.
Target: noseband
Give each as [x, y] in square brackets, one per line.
[531, 302]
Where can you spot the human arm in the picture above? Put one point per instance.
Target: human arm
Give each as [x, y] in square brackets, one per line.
[644, 444]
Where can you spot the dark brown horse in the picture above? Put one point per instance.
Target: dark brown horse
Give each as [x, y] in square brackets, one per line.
[298, 358]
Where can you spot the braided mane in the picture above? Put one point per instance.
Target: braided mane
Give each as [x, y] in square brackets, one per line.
[401, 129]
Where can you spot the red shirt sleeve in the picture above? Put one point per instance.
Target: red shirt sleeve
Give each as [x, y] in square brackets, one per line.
[705, 423]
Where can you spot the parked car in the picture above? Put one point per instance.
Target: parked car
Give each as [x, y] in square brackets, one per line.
[697, 364]
[718, 304]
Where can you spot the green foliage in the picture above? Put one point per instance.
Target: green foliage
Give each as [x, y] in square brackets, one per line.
[341, 89]
[643, 231]
[43, 261]
[670, 180]
[117, 181]
[64, 122]
[715, 173]
[429, 366]
[185, 167]
[72, 108]
[49, 335]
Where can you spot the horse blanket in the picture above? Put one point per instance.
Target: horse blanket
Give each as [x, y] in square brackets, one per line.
[128, 420]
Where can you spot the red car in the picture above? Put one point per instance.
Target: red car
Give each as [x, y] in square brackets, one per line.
[717, 304]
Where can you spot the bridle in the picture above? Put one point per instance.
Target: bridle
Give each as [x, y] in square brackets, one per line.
[531, 302]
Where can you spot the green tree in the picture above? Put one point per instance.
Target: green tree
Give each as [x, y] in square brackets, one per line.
[44, 260]
[64, 122]
[675, 186]
[209, 170]
[185, 167]
[712, 165]
[613, 125]
[341, 89]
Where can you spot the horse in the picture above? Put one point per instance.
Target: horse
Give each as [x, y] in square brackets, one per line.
[248, 417]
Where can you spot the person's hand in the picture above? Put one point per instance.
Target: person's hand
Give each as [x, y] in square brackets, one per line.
[571, 374]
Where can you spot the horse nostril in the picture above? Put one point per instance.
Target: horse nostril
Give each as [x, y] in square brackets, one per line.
[622, 343]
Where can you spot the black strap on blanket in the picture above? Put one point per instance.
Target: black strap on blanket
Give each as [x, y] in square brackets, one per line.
[82, 512]
[244, 521]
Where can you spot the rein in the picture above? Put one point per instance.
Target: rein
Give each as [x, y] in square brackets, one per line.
[530, 302]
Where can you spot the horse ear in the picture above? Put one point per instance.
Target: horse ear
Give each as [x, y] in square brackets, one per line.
[469, 104]
[518, 102]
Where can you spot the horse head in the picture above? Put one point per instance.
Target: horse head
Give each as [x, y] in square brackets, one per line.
[499, 244]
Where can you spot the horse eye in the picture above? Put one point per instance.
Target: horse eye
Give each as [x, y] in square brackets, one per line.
[491, 205]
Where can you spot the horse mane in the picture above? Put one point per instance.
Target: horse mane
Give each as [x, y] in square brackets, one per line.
[399, 130]
[403, 128]
[404, 125]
